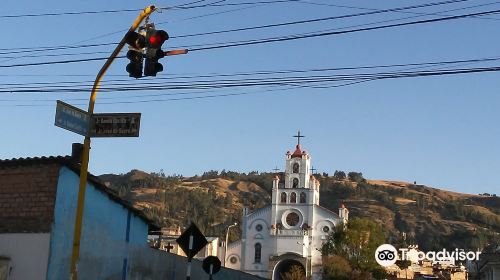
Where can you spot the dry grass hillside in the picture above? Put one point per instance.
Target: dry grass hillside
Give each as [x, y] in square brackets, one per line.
[430, 217]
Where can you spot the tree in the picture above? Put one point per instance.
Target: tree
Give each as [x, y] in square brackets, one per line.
[295, 272]
[356, 177]
[356, 242]
[400, 222]
[339, 175]
[336, 268]
[403, 265]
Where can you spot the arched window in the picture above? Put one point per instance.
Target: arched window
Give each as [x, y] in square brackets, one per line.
[295, 183]
[295, 168]
[293, 198]
[258, 253]
[283, 197]
[302, 197]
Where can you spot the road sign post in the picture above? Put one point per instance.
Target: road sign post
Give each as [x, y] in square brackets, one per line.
[86, 144]
[191, 242]
[211, 265]
[78, 121]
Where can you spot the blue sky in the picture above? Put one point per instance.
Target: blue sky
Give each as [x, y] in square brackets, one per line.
[440, 131]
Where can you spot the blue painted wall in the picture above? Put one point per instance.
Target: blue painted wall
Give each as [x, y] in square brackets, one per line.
[105, 244]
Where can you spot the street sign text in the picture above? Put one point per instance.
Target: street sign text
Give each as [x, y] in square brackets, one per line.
[115, 125]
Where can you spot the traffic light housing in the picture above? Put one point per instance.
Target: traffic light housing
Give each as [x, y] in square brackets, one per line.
[137, 43]
[154, 41]
[134, 68]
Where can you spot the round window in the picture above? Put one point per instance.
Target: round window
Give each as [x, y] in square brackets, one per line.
[292, 219]
[233, 260]
[258, 227]
[326, 229]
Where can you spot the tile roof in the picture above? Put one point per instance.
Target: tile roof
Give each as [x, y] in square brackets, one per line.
[15, 162]
[28, 190]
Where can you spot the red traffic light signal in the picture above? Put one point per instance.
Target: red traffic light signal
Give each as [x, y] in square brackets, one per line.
[156, 38]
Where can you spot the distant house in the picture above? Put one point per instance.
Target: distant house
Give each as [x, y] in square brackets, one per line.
[167, 241]
[37, 214]
[489, 265]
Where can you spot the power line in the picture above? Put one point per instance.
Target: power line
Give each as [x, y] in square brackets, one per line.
[157, 9]
[10, 58]
[269, 72]
[323, 19]
[352, 26]
[353, 80]
[51, 48]
[279, 39]
[106, 11]
[70, 13]
[375, 11]
[267, 81]
[297, 37]
[54, 48]
[244, 3]
[56, 62]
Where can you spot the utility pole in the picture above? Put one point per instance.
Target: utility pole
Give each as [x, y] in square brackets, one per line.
[86, 144]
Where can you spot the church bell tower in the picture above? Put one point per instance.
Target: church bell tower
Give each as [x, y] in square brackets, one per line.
[296, 189]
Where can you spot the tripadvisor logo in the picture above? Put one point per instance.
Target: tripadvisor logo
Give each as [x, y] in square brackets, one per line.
[387, 255]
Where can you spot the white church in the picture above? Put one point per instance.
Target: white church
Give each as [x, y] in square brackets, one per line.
[291, 230]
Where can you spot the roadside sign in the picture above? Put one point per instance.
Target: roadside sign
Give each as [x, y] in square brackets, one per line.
[191, 241]
[115, 125]
[211, 265]
[71, 118]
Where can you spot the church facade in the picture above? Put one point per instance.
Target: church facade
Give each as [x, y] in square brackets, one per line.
[291, 230]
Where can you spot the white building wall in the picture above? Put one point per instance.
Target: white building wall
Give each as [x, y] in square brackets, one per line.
[28, 254]
[258, 228]
[279, 239]
[234, 251]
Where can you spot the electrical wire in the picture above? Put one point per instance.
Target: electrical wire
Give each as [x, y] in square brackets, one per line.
[375, 11]
[253, 82]
[70, 13]
[182, 6]
[322, 19]
[353, 80]
[277, 39]
[322, 34]
[262, 73]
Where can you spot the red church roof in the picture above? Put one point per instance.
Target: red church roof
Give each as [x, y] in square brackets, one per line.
[298, 152]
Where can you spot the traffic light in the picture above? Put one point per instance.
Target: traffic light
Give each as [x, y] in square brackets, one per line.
[134, 68]
[136, 43]
[154, 41]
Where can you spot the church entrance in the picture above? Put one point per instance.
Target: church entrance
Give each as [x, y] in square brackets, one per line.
[289, 269]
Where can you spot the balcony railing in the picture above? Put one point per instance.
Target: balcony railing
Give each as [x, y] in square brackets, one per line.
[290, 232]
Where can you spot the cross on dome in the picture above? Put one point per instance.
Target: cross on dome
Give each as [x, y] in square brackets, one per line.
[298, 136]
[298, 151]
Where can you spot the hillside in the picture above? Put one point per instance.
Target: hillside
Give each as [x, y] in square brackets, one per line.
[431, 217]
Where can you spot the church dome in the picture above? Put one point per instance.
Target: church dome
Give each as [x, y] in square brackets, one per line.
[298, 152]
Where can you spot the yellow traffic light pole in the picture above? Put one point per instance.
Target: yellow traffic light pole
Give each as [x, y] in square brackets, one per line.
[86, 145]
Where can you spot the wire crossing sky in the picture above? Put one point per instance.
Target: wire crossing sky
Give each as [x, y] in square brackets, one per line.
[402, 90]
